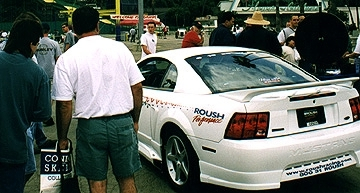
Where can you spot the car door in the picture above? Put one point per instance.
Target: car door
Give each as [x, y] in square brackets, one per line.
[160, 78]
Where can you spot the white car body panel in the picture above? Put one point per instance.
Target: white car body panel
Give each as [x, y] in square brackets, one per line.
[304, 148]
[256, 163]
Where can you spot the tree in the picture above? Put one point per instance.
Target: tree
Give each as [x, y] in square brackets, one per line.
[332, 8]
[184, 12]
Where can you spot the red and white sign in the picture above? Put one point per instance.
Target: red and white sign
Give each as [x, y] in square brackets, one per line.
[132, 20]
[134, 17]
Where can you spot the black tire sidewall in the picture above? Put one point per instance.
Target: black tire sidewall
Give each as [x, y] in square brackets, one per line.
[194, 170]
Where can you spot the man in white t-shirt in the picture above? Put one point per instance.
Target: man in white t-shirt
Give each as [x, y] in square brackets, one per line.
[148, 40]
[105, 83]
[291, 29]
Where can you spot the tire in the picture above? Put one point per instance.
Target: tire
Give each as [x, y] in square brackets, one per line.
[180, 162]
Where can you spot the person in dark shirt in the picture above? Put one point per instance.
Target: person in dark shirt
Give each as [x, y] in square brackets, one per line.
[25, 98]
[256, 36]
[222, 35]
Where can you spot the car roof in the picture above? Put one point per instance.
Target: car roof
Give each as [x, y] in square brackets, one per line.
[193, 51]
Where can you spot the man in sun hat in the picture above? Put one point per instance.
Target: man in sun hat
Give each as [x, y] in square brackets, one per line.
[256, 36]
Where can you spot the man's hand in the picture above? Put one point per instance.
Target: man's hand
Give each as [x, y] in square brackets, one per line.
[63, 144]
[136, 127]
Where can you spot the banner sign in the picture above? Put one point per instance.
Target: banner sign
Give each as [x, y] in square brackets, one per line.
[133, 17]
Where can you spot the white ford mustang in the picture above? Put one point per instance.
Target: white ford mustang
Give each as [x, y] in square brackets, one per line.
[244, 119]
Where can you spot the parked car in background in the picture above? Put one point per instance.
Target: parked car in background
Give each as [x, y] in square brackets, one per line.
[243, 118]
[180, 33]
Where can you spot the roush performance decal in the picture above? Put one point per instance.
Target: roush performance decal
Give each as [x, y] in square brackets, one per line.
[206, 116]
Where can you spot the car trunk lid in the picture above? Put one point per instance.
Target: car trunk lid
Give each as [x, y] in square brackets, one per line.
[301, 108]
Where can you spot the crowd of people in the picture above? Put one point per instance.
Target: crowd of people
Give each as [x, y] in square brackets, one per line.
[34, 72]
[254, 34]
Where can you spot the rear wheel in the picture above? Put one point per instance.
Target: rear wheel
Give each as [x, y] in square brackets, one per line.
[180, 162]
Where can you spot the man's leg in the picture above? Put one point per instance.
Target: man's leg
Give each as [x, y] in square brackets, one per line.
[91, 139]
[124, 154]
[97, 186]
[30, 167]
[127, 185]
[38, 133]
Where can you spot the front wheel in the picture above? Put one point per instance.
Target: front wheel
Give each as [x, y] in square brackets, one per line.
[180, 162]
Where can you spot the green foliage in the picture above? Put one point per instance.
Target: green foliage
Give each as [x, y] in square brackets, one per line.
[183, 12]
[333, 4]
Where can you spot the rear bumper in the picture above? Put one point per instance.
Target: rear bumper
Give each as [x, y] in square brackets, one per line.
[264, 164]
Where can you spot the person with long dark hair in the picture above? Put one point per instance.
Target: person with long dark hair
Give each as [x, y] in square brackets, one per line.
[25, 98]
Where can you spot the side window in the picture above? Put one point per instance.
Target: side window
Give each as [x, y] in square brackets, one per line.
[170, 77]
[154, 71]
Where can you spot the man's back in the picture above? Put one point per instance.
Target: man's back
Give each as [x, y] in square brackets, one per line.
[100, 77]
[259, 38]
[46, 54]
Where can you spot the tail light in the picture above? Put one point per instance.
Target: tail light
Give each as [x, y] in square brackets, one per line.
[355, 108]
[248, 126]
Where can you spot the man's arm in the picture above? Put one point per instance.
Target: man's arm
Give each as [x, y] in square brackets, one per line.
[146, 50]
[201, 42]
[67, 46]
[63, 120]
[281, 37]
[137, 93]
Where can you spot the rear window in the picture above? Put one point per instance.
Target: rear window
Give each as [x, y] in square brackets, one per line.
[245, 70]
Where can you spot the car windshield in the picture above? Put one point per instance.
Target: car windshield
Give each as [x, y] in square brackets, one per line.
[245, 70]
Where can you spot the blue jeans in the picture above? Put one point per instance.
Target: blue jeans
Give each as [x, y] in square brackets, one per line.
[12, 178]
[34, 132]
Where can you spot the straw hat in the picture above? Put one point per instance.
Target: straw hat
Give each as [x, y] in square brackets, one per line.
[257, 19]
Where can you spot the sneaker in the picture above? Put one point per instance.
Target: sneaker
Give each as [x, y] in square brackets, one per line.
[49, 122]
[49, 144]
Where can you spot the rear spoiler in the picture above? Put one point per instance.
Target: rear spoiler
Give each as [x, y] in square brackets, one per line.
[248, 94]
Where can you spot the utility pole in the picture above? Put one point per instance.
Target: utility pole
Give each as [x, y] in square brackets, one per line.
[141, 18]
[117, 24]
[278, 18]
[302, 4]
